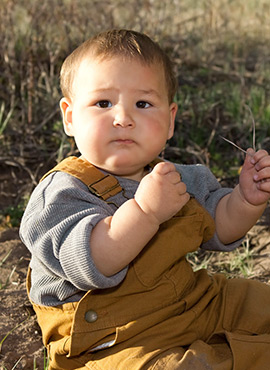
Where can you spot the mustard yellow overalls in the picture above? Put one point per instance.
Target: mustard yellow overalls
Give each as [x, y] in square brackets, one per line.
[163, 315]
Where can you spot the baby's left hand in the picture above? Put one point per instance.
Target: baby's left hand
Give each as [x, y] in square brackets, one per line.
[254, 178]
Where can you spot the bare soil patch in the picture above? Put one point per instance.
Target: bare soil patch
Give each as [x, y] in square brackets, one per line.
[20, 337]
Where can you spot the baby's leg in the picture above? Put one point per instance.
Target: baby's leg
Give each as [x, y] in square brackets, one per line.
[247, 307]
[240, 340]
[199, 356]
[245, 323]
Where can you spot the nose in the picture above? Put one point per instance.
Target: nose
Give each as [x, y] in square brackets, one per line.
[123, 118]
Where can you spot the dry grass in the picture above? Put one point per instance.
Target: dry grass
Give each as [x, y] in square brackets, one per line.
[222, 60]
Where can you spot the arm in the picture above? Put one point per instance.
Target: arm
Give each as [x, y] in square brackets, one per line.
[237, 212]
[56, 228]
[117, 240]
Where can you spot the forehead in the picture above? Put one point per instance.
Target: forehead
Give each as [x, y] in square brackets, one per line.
[106, 70]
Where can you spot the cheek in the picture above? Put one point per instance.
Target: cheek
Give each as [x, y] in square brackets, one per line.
[159, 127]
[89, 136]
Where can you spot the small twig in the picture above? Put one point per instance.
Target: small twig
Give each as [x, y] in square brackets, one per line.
[253, 135]
[14, 367]
[253, 129]
[230, 142]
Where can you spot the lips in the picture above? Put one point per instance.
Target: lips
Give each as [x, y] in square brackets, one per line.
[124, 141]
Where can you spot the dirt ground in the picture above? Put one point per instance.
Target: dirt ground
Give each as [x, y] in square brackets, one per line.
[20, 338]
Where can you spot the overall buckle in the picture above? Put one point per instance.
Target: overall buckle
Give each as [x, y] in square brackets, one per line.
[105, 187]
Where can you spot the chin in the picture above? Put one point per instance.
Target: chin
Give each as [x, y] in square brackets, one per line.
[121, 168]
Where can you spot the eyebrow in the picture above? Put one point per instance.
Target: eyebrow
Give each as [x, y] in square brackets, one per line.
[103, 89]
[142, 91]
[150, 92]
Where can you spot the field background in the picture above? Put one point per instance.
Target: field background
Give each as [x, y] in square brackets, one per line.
[221, 50]
[222, 60]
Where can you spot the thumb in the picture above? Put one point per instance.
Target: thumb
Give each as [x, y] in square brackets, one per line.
[248, 163]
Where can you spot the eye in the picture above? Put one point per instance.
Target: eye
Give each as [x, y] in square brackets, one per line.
[142, 104]
[104, 104]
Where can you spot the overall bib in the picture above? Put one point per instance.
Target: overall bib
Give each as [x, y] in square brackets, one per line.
[163, 315]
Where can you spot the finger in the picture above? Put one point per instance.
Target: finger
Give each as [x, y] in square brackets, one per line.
[256, 157]
[248, 162]
[263, 174]
[174, 177]
[264, 185]
[184, 198]
[251, 152]
[163, 168]
[181, 188]
[264, 181]
[249, 157]
[263, 163]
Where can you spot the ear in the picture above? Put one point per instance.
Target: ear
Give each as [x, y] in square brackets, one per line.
[66, 110]
[173, 111]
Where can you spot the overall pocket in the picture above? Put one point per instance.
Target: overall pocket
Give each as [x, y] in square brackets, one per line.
[176, 238]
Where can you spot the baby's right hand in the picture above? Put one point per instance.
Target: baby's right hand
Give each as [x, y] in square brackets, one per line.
[162, 193]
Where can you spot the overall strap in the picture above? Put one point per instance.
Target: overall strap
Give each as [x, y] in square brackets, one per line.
[102, 185]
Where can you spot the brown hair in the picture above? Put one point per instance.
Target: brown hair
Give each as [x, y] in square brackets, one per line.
[124, 43]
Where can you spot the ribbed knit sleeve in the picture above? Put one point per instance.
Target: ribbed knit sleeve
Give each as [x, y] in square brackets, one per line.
[204, 186]
[56, 228]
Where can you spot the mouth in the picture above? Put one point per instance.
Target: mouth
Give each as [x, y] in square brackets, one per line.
[124, 141]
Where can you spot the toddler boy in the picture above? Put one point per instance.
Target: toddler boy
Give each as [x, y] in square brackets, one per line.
[109, 231]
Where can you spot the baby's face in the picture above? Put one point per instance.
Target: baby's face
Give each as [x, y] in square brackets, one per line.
[119, 114]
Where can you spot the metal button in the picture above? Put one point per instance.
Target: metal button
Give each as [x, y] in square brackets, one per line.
[90, 316]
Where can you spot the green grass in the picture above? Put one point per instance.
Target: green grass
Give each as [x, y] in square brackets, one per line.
[45, 363]
[233, 264]
[4, 119]
[4, 284]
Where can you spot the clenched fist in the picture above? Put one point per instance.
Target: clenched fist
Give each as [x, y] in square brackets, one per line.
[162, 193]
